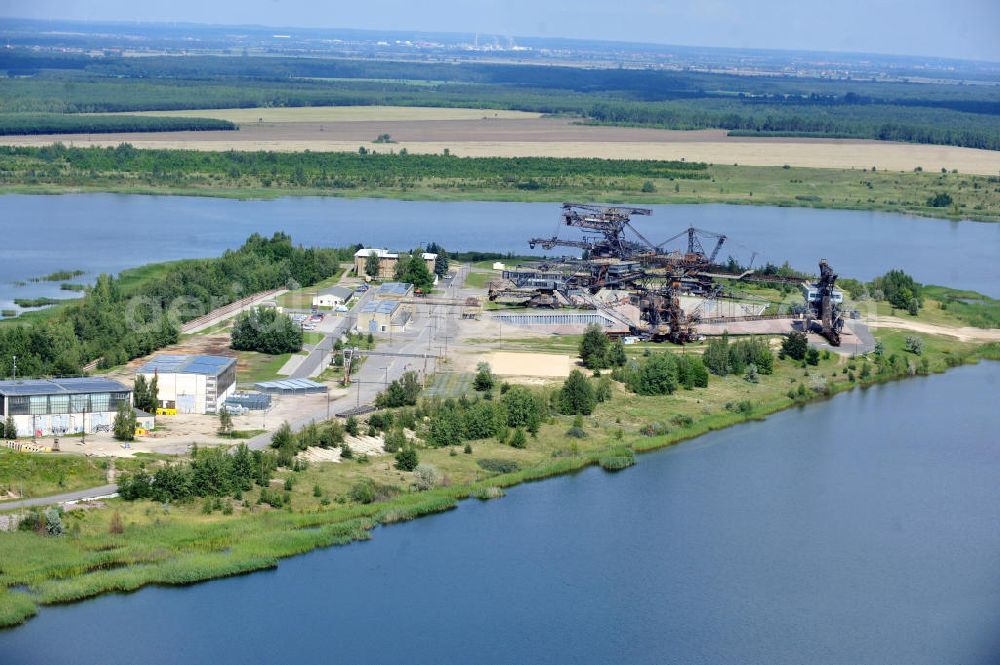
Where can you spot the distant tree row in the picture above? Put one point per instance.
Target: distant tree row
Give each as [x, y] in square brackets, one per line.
[62, 123]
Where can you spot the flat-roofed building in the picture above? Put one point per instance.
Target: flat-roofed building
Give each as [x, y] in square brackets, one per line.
[191, 383]
[386, 262]
[41, 407]
[333, 297]
[379, 316]
[394, 291]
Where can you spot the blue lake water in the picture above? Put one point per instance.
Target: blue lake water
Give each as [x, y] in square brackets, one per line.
[110, 232]
[865, 529]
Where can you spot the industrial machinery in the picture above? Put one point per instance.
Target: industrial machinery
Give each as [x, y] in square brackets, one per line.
[823, 302]
[603, 231]
[654, 276]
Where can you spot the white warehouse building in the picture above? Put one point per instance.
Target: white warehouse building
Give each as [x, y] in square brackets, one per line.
[40, 407]
[191, 383]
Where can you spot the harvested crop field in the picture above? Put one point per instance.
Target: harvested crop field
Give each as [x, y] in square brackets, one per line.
[488, 133]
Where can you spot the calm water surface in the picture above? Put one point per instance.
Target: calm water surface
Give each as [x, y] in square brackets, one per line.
[110, 232]
[861, 530]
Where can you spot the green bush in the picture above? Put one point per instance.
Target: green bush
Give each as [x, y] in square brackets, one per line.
[498, 465]
[406, 459]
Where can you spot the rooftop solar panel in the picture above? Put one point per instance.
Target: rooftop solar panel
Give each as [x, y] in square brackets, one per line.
[83, 384]
[171, 363]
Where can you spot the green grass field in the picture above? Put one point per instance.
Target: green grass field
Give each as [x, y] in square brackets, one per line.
[253, 367]
[480, 280]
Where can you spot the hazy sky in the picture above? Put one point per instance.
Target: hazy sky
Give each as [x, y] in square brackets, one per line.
[950, 28]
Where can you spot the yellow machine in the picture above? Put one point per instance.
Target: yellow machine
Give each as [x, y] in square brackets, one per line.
[160, 411]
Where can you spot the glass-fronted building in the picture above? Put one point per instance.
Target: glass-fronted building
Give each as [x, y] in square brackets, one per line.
[62, 406]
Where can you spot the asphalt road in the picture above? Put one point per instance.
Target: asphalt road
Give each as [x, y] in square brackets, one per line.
[88, 493]
[432, 330]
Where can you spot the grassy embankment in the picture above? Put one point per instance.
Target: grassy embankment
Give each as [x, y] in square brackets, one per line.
[438, 177]
[29, 475]
[183, 543]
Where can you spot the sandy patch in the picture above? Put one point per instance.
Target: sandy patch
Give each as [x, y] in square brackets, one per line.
[965, 334]
[548, 365]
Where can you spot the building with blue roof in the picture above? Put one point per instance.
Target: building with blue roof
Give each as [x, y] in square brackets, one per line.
[41, 407]
[191, 383]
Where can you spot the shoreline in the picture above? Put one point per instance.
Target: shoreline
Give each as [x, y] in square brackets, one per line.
[492, 196]
[303, 532]
[255, 194]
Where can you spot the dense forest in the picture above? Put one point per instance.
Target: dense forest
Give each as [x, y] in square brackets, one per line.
[118, 321]
[347, 171]
[964, 115]
[66, 123]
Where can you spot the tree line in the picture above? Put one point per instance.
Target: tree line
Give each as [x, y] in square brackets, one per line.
[768, 105]
[63, 123]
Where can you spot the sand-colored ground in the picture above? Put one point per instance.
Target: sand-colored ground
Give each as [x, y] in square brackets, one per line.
[487, 133]
[965, 334]
[548, 365]
[372, 446]
[176, 434]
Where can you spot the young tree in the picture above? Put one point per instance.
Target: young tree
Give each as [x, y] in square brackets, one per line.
[140, 392]
[812, 355]
[415, 272]
[795, 345]
[656, 376]
[914, 344]
[351, 426]
[594, 347]
[484, 380]
[577, 395]
[447, 427]
[225, 422]
[152, 395]
[616, 354]
[518, 439]
[372, 264]
[406, 459]
[716, 356]
[522, 408]
[427, 477]
[124, 423]
[10, 428]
